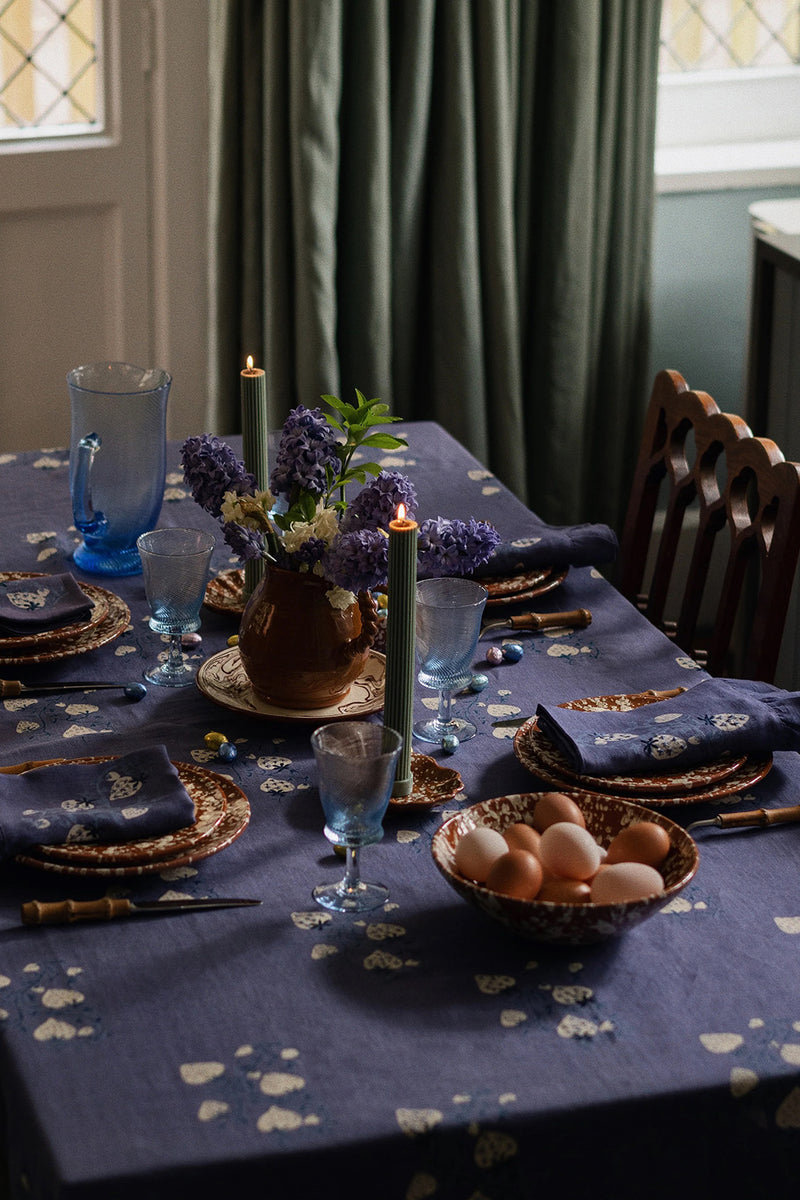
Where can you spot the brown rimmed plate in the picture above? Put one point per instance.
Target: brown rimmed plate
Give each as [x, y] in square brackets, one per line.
[233, 823]
[30, 642]
[223, 679]
[115, 622]
[690, 780]
[749, 773]
[550, 581]
[210, 806]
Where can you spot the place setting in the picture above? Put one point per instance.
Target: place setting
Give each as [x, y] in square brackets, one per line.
[44, 618]
[105, 816]
[535, 561]
[676, 747]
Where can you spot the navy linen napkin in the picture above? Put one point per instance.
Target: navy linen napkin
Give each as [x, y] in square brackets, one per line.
[41, 602]
[136, 796]
[543, 545]
[716, 718]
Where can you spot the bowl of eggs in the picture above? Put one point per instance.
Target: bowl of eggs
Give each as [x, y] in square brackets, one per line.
[565, 867]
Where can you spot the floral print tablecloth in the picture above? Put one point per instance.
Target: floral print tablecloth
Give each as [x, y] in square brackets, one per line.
[420, 1051]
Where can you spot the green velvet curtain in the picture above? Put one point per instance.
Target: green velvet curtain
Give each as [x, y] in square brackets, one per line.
[448, 204]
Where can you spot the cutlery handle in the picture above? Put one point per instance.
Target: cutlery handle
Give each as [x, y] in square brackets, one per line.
[762, 817]
[579, 618]
[65, 912]
[10, 687]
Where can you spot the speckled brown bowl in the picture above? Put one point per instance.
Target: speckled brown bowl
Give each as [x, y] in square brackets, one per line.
[565, 924]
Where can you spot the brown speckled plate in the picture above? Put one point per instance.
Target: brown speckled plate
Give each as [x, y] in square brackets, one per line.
[225, 592]
[223, 679]
[210, 806]
[30, 642]
[509, 585]
[196, 779]
[690, 780]
[529, 591]
[115, 622]
[526, 748]
[433, 784]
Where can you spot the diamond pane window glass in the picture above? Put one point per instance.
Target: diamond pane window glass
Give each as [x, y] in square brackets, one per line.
[722, 35]
[50, 68]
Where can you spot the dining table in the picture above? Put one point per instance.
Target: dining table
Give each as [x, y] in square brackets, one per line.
[419, 1050]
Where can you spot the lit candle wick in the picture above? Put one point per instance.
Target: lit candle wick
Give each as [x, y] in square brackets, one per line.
[249, 362]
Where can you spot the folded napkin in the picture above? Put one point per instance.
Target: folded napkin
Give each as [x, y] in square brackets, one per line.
[716, 718]
[543, 545]
[41, 602]
[137, 796]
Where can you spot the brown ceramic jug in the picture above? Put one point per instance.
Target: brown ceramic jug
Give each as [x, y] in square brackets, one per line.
[299, 651]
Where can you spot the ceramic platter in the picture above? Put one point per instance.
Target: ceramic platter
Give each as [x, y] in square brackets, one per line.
[515, 589]
[225, 592]
[223, 679]
[222, 814]
[433, 784]
[109, 618]
[697, 785]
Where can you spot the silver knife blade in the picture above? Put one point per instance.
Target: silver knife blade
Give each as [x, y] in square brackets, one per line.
[65, 912]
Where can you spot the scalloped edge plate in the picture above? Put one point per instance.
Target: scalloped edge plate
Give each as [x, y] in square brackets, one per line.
[233, 823]
[751, 772]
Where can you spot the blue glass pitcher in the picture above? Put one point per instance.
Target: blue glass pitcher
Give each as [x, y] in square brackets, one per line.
[117, 461]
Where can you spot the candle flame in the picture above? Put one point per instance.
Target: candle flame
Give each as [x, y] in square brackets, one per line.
[249, 362]
[401, 512]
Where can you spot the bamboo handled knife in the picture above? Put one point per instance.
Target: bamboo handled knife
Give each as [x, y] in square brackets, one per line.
[579, 618]
[66, 912]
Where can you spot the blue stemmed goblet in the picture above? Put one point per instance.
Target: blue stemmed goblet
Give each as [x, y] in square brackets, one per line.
[356, 764]
[175, 563]
[448, 625]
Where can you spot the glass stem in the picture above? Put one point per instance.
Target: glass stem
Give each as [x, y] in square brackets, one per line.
[351, 881]
[444, 716]
[174, 663]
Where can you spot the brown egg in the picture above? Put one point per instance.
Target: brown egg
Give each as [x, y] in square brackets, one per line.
[565, 891]
[569, 850]
[522, 837]
[517, 873]
[642, 842]
[555, 806]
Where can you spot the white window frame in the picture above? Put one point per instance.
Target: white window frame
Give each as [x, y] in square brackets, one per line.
[728, 129]
[68, 137]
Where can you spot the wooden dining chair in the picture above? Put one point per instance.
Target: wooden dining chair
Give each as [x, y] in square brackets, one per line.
[711, 537]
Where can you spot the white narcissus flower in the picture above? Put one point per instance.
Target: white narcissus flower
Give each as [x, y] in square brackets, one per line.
[324, 526]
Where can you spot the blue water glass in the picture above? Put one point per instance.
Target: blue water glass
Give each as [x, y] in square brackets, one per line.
[448, 625]
[117, 461]
[176, 568]
[356, 763]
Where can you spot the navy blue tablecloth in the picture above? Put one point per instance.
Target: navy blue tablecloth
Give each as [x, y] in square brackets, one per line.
[420, 1050]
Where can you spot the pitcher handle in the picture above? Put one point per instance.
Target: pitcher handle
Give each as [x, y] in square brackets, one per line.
[86, 519]
[369, 627]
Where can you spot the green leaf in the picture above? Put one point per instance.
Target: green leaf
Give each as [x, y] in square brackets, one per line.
[385, 441]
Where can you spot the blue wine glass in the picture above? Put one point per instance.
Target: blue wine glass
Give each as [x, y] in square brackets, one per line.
[356, 764]
[175, 563]
[448, 625]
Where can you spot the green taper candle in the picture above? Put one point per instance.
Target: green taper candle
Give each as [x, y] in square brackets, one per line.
[255, 447]
[398, 705]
